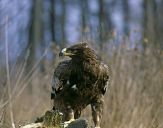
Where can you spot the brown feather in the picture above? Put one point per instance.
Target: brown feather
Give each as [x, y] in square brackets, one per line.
[90, 77]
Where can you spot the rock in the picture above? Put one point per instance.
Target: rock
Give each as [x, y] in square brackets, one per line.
[53, 119]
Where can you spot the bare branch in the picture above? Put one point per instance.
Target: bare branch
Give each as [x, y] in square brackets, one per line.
[8, 75]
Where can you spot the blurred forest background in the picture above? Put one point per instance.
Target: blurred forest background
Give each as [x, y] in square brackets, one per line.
[127, 34]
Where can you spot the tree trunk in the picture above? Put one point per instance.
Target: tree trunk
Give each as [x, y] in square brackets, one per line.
[101, 23]
[84, 19]
[63, 22]
[35, 34]
[150, 23]
[52, 20]
[126, 17]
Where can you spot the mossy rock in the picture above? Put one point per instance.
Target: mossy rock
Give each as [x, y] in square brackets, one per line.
[53, 119]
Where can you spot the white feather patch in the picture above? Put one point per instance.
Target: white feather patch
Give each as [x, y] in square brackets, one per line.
[74, 86]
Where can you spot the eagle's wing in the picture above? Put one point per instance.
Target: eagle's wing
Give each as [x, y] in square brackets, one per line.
[60, 77]
[105, 77]
[97, 104]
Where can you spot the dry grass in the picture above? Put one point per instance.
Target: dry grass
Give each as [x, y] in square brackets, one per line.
[134, 99]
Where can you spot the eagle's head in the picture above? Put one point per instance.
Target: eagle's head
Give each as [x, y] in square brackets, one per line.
[79, 51]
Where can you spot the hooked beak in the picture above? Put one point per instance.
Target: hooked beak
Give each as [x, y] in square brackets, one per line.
[65, 52]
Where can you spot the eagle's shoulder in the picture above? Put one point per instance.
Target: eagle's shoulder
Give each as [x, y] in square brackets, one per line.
[104, 68]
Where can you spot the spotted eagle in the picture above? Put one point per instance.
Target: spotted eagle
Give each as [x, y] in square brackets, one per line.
[80, 81]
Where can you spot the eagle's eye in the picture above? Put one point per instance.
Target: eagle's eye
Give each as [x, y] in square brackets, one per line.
[73, 50]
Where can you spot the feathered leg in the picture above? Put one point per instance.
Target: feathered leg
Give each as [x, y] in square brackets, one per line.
[69, 113]
[77, 114]
[65, 109]
[97, 110]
